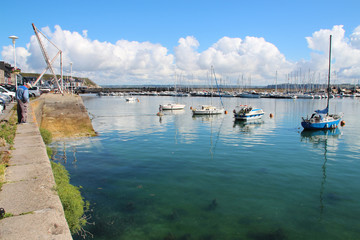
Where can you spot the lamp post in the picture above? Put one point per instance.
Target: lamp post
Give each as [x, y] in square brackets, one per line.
[13, 41]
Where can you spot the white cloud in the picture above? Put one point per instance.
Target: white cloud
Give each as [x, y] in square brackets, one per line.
[132, 62]
[345, 52]
[232, 57]
[119, 63]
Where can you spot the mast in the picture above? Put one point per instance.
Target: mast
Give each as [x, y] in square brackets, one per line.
[328, 88]
[213, 70]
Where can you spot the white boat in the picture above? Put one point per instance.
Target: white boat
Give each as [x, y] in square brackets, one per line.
[210, 109]
[305, 96]
[207, 110]
[130, 99]
[251, 94]
[246, 113]
[172, 106]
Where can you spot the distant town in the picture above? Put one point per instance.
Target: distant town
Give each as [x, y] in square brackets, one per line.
[8, 74]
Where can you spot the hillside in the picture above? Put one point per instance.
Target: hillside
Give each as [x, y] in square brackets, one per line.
[87, 81]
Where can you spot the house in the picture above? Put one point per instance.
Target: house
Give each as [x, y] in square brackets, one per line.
[6, 76]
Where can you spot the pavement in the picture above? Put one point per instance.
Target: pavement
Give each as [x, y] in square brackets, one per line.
[29, 193]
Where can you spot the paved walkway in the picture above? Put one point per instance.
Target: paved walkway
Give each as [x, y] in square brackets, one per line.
[28, 193]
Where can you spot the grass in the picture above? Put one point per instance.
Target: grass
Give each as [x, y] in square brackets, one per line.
[70, 196]
[7, 215]
[46, 135]
[7, 136]
[8, 129]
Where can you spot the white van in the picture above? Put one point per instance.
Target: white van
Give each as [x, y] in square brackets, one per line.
[34, 92]
[7, 92]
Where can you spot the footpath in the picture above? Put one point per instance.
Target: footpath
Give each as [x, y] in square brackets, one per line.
[29, 193]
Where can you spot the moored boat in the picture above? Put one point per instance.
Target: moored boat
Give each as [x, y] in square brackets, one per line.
[246, 113]
[130, 99]
[207, 110]
[321, 119]
[172, 106]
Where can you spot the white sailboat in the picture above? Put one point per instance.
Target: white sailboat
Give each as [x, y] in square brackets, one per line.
[172, 106]
[209, 109]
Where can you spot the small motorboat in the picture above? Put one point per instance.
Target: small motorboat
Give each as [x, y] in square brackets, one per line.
[246, 113]
[130, 99]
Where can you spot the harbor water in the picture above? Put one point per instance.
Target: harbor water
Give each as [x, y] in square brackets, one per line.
[208, 177]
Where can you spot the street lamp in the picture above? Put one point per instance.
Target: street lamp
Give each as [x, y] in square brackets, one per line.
[13, 41]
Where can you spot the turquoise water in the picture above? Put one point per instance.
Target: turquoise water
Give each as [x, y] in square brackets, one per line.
[180, 177]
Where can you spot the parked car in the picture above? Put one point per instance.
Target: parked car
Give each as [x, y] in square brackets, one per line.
[2, 105]
[6, 98]
[45, 89]
[7, 92]
[9, 87]
[34, 92]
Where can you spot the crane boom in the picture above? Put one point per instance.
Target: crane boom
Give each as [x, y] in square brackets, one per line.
[47, 59]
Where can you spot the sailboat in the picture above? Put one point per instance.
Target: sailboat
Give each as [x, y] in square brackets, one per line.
[209, 109]
[172, 106]
[321, 119]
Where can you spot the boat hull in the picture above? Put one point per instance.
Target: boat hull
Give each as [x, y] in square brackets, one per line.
[248, 117]
[320, 125]
[248, 113]
[173, 107]
[250, 95]
[207, 110]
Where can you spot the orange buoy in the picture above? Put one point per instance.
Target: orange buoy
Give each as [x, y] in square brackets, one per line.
[191, 108]
[342, 123]
[225, 112]
[138, 100]
[271, 115]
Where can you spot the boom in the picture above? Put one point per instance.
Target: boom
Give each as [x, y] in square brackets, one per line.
[47, 60]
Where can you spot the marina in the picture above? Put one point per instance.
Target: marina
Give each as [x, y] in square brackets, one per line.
[179, 176]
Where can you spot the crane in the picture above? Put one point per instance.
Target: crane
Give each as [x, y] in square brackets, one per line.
[47, 60]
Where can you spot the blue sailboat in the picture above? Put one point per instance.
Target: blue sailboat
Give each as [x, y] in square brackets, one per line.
[321, 119]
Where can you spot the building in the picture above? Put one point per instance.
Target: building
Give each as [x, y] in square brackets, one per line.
[6, 75]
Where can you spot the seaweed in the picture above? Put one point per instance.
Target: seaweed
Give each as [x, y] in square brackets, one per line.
[213, 205]
[130, 207]
[272, 235]
[169, 236]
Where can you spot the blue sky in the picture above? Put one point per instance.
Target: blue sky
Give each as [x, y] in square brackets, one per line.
[284, 24]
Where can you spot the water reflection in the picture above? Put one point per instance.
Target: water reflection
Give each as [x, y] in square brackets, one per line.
[206, 118]
[320, 138]
[247, 127]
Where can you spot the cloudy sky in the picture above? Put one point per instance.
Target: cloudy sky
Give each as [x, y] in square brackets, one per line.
[167, 42]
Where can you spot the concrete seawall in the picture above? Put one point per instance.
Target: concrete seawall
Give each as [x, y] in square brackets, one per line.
[29, 193]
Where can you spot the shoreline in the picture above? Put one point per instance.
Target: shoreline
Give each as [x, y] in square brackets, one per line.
[28, 195]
